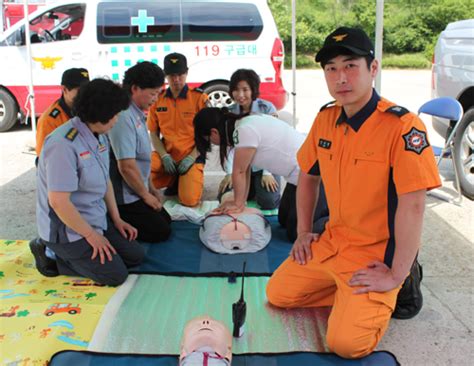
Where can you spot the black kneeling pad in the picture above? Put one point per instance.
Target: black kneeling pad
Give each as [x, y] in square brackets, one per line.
[410, 298]
[377, 358]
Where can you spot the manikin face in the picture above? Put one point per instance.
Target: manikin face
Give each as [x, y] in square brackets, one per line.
[243, 95]
[349, 81]
[205, 331]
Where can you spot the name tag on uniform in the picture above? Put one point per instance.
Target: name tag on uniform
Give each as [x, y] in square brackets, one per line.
[161, 109]
[85, 155]
[325, 144]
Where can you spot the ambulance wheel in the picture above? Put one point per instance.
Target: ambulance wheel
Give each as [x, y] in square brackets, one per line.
[8, 111]
[464, 153]
[219, 95]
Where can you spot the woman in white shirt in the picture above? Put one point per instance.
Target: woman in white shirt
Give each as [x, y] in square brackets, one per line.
[244, 86]
[261, 141]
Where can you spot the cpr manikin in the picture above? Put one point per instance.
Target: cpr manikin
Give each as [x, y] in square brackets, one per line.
[245, 232]
[206, 341]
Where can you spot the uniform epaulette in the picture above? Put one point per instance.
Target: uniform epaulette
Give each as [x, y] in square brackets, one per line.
[199, 90]
[327, 105]
[54, 113]
[397, 110]
[71, 134]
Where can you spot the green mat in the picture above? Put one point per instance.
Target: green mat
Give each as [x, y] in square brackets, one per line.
[151, 318]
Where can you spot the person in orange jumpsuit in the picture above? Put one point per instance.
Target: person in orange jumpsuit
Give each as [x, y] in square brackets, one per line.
[376, 164]
[175, 162]
[60, 111]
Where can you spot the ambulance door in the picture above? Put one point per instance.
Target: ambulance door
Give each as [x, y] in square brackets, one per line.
[130, 32]
[57, 44]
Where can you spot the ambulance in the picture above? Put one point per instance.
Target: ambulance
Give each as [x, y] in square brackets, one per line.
[107, 37]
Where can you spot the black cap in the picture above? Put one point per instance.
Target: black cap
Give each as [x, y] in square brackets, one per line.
[73, 78]
[353, 39]
[175, 63]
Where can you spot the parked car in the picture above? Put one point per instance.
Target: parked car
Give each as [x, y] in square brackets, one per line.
[107, 37]
[453, 76]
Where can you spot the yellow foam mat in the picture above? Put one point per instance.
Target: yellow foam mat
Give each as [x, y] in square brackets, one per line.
[40, 316]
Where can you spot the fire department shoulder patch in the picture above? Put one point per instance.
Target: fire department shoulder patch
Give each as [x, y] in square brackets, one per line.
[416, 141]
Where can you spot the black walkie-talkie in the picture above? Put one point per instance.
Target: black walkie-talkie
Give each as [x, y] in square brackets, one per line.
[239, 311]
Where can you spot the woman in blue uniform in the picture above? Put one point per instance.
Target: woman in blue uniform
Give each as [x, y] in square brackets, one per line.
[80, 229]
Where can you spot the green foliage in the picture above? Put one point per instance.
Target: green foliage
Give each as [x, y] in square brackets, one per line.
[410, 26]
[302, 61]
[406, 61]
[390, 61]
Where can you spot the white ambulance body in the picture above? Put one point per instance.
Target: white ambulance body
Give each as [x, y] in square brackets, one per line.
[107, 37]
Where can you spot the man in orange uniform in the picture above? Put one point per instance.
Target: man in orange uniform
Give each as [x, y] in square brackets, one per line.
[60, 111]
[175, 160]
[376, 164]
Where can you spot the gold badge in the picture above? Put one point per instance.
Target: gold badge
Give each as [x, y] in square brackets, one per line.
[174, 60]
[339, 37]
[47, 62]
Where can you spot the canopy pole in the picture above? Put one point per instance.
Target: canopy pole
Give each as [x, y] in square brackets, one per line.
[379, 43]
[293, 57]
[31, 92]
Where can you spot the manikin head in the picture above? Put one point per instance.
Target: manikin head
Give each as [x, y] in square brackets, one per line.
[205, 331]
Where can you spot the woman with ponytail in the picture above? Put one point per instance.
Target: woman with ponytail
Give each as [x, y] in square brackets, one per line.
[259, 140]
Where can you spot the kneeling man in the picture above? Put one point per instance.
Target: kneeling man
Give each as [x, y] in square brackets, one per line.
[376, 164]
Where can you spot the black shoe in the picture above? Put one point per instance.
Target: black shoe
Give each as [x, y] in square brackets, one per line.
[173, 189]
[46, 266]
[410, 298]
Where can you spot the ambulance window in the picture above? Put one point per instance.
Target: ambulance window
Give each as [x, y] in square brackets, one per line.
[58, 24]
[127, 22]
[221, 22]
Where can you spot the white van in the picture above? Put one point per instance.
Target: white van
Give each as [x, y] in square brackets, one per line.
[107, 37]
[453, 76]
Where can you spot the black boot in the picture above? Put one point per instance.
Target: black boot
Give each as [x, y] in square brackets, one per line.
[410, 298]
[173, 189]
[46, 266]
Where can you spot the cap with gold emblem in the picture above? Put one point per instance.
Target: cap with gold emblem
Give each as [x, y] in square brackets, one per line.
[354, 40]
[175, 63]
[75, 77]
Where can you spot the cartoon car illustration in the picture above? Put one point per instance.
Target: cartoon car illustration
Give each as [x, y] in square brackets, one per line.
[62, 308]
[85, 282]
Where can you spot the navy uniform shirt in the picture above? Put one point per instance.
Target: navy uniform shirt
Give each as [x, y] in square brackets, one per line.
[72, 160]
[129, 140]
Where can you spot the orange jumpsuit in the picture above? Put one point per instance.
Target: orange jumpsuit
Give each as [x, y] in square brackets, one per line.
[173, 119]
[365, 162]
[56, 115]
